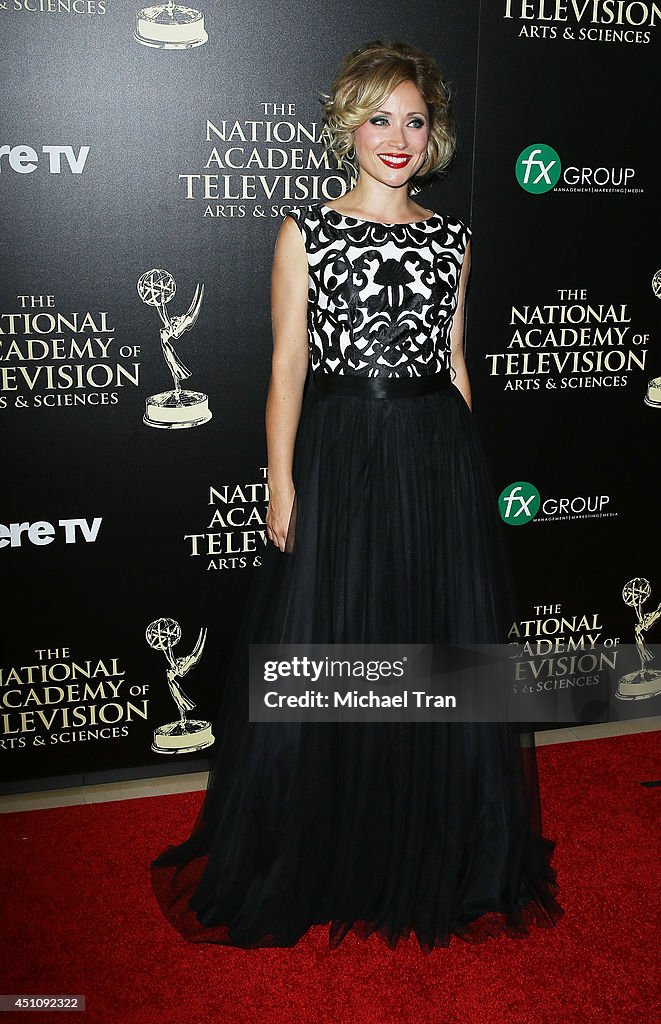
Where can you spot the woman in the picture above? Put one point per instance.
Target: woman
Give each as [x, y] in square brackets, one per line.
[383, 529]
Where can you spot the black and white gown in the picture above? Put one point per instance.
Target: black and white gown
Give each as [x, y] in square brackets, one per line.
[389, 827]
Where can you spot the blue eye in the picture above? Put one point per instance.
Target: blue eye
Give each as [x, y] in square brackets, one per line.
[380, 119]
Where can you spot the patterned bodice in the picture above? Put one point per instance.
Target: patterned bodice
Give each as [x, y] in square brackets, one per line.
[381, 297]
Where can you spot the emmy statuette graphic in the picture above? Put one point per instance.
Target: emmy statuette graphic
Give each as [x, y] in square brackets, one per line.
[187, 734]
[653, 392]
[176, 409]
[644, 682]
[170, 27]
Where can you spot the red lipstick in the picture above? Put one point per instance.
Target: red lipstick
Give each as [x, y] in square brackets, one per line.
[395, 160]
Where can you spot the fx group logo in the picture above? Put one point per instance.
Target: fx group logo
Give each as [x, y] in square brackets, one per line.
[538, 168]
[519, 503]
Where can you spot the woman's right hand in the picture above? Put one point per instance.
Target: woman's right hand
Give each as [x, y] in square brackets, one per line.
[278, 513]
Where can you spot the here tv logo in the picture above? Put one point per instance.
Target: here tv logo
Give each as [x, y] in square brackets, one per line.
[41, 533]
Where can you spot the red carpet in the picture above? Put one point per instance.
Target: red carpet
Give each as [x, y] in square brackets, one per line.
[79, 917]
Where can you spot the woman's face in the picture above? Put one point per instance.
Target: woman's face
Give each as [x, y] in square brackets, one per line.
[391, 145]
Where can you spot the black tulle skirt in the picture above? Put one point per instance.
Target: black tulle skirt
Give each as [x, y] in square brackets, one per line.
[389, 827]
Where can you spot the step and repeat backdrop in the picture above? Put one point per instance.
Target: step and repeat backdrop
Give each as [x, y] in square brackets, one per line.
[563, 337]
[147, 158]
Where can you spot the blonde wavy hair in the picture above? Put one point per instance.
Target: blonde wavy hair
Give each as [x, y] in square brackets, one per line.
[365, 78]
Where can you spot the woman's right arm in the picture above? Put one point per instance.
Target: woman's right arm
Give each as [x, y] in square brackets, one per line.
[289, 364]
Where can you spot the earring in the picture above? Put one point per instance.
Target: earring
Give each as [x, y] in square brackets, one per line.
[351, 153]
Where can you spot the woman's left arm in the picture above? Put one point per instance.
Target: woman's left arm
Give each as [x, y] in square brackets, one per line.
[461, 381]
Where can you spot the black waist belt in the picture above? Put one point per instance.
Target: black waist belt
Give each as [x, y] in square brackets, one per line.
[379, 387]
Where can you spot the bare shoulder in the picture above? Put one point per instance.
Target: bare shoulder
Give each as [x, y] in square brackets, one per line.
[289, 243]
[422, 212]
[289, 274]
[289, 228]
[465, 269]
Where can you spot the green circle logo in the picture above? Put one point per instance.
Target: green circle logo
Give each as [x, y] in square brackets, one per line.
[518, 503]
[538, 168]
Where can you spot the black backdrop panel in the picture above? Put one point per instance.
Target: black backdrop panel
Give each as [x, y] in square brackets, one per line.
[567, 412]
[182, 161]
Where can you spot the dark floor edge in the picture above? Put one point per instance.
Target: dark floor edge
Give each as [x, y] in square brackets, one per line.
[130, 774]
